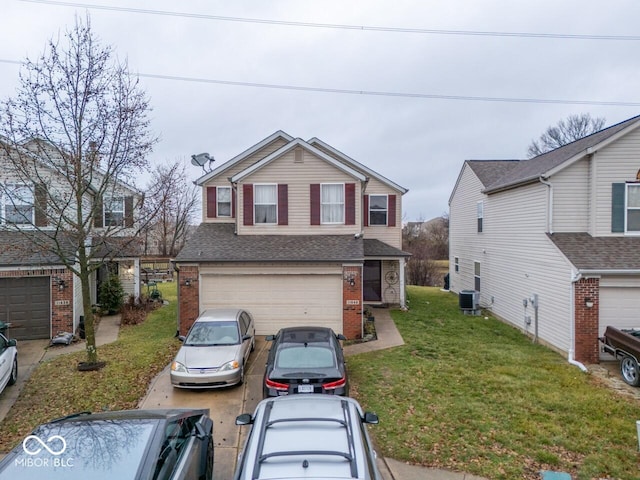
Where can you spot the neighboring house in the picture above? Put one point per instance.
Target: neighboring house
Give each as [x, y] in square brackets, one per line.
[39, 296]
[562, 228]
[297, 233]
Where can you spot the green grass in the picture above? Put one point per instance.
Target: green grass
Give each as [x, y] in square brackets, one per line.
[475, 395]
[57, 388]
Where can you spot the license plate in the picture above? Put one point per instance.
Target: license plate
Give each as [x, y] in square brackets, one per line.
[305, 388]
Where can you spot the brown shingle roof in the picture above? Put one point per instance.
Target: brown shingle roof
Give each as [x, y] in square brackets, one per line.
[217, 242]
[599, 253]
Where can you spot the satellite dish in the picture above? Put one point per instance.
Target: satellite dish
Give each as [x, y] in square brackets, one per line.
[201, 159]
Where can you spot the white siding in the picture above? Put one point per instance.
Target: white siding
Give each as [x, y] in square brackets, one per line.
[517, 259]
[616, 163]
[571, 198]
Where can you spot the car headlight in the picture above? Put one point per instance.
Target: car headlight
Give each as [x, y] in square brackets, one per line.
[178, 367]
[230, 366]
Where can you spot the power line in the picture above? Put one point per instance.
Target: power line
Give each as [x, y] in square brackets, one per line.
[374, 93]
[371, 28]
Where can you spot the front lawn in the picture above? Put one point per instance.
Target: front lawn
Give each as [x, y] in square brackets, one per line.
[57, 388]
[475, 395]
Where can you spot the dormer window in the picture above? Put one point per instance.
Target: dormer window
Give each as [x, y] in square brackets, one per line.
[18, 204]
[114, 212]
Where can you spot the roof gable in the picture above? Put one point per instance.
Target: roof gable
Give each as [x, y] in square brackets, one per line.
[527, 171]
[289, 147]
[244, 155]
[338, 155]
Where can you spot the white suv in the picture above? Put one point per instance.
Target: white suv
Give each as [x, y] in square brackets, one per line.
[308, 436]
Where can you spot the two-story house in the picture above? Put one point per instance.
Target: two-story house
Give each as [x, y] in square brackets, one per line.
[39, 295]
[297, 233]
[553, 243]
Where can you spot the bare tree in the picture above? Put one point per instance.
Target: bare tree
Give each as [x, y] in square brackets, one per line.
[573, 128]
[427, 242]
[173, 200]
[76, 131]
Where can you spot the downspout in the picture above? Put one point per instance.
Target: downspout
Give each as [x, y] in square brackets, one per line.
[549, 204]
[572, 340]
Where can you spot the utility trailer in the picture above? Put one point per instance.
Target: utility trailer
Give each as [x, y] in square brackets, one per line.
[624, 344]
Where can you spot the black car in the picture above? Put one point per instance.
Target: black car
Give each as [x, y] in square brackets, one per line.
[305, 360]
[129, 444]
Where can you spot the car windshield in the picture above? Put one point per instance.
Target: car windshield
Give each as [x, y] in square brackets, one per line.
[300, 356]
[213, 333]
[101, 449]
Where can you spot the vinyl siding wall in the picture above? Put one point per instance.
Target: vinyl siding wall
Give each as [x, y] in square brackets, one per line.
[616, 163]
[516, 258]
[572, 198]
[389, 235]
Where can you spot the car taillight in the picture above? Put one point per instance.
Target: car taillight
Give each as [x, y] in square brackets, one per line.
[337, 384]
[276, 385]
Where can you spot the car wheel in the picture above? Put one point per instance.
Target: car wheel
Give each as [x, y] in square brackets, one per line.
[629, 371]
[241, 375]
[253, 344]
[14, 372]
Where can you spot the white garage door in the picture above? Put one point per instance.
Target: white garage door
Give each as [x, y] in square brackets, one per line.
[277, 301]
[619, 307]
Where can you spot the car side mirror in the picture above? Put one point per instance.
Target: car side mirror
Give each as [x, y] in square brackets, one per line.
[270, 338]
[340, 336]
[246, 337]
[244, 419]
[181, 338]
[372, 418]
[12, 342]
[200, 431]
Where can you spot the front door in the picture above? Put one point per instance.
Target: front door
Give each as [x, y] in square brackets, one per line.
[372, 281]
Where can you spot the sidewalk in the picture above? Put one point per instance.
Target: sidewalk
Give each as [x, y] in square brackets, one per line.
[32, 352]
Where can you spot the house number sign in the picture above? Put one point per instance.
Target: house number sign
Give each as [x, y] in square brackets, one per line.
[353, 302]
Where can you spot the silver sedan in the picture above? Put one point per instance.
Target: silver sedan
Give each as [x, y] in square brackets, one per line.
[215, 351]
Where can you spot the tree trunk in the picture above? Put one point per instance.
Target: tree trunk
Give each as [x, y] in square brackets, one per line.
[89, 324]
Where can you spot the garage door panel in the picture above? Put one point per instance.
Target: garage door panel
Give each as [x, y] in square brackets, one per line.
[278, 301]
[25, 303]
[619, 307]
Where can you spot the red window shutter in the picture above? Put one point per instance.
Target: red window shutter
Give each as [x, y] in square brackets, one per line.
[391, 219]
[283, 204]
[315, 203]
[247, 203]
[365, 210]
[211, 202]
[233, 202]
[350, 204]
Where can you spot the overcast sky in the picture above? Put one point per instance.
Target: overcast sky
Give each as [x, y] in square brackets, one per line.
[418, 142]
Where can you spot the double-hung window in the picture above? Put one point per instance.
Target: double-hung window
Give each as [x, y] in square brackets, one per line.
[633, 208]
[18, 204]
[223, 200]
[378, 208]
[265, 204]
[332, 203]
[114, 212]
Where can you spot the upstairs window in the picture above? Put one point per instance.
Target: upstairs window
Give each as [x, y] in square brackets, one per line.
[223, 201]
[265, 204]
[332, 202]
[633, 208]
[378, 209]
[480, 215]
[114, 212]
[18, 204]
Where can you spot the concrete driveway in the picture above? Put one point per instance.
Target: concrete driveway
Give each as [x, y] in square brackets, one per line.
[225, 404]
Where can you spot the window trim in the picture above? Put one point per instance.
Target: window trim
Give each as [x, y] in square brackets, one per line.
[7, 202]
[477, 277]
[386, 210]
[255, 203]
[629, 185]
[322, 204]
[456, 264]
[218, 214]
[109, 202]
[480, 215]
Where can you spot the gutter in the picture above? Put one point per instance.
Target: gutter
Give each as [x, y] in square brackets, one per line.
[572, 336]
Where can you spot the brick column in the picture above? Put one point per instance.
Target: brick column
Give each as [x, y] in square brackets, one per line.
[189, 297]
[61, 302]
[352, 302]
[587, 320]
